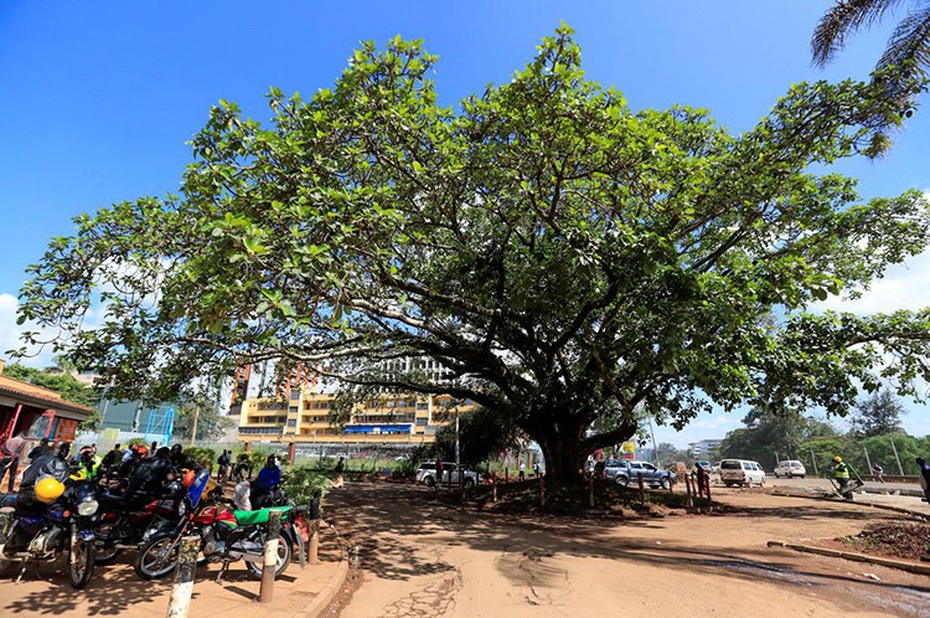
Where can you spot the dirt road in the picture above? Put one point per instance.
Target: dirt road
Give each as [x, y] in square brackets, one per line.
[420, 557]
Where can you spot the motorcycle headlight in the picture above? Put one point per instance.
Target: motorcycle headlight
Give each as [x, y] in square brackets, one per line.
[182, 508]
[88, 508]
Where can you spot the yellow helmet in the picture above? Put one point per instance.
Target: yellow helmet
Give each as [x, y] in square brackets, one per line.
[837, 459]
[49, 489]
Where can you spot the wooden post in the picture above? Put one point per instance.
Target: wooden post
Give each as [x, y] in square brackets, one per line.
[270, 562]
[313, 547]
[542, 491]
[707, 485]
[506, 475]
[181, 593]
[642, 489]
[591, 489]
[689, 500]
[814, 461]
[868, 460]
[291, 451]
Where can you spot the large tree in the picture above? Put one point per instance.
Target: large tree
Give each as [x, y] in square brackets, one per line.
[878, 414]
[564, 259]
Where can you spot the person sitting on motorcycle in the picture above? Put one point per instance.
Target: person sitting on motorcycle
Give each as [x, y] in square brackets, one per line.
[150, 477]
[88, 461]
[129, 466]
[179, 460]
[53, 463]
[242, 496]
[267, 479]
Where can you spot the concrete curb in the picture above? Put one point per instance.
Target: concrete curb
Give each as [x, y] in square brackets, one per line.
[912, 567]
[829, 497]
[322, 600]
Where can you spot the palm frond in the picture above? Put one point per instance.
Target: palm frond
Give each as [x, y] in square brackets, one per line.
[908, 47]
[841, 20]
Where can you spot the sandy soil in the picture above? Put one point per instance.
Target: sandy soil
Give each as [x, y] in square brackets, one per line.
[417, 556]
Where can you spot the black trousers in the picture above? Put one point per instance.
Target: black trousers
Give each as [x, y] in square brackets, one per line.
[10, 464]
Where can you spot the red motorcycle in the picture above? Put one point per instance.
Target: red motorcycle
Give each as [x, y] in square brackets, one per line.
[226, 536]
[121, 527]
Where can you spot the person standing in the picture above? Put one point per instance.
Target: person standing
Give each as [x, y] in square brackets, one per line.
[924, 477]
[522, 471]
[339, 477]
[10, 453]
[224, 463]
[841, 475]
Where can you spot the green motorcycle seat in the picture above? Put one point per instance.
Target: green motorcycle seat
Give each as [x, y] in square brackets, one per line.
[255, 518]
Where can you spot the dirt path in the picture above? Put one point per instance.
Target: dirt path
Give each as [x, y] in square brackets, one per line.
[420, 557]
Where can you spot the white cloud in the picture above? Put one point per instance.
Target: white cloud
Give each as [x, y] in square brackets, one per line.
[904, 286]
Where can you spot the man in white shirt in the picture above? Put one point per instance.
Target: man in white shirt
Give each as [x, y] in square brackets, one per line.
[10, 453]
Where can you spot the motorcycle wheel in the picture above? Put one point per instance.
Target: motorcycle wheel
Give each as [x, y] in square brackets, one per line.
[285, 551]
[106, 555]
[81, 563]
[157, 558]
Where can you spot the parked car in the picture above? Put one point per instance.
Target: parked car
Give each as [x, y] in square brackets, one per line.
[428, 475]
[742, 472]
[790, 468]
[623, 471]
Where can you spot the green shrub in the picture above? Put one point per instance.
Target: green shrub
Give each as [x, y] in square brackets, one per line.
[303, 484]
[201, 456]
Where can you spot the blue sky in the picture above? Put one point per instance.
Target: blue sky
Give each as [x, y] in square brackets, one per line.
[97, 99]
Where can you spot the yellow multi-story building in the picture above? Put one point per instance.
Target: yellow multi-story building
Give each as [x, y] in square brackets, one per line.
[383, 419]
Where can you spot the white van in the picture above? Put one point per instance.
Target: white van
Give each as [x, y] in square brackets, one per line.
[790, 468]
[742, 472]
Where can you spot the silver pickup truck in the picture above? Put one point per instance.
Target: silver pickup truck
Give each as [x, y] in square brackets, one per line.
[626, 471]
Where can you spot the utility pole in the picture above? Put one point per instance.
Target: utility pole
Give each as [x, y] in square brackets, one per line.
[194, 428]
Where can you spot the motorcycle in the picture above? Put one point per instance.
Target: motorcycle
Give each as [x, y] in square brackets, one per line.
[225, 536]
[122, 528]
[37, 531]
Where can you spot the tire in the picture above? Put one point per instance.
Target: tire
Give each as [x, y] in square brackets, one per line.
[104, 556]
[666, 483]
[81, 562]
[469, 482]
[776, 474]
[285, 552]
[622, 481]
[6, 567]
[801, 477]
[429, 481]
[157, 558]
[728, 483]
[762, 483]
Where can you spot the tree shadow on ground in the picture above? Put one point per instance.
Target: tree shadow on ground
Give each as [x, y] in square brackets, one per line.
[392, 526]
[110, 592]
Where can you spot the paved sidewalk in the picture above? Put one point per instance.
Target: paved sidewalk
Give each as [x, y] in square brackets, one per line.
[117, 591]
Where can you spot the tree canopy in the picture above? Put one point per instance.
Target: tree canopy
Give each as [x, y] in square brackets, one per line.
[563, 258]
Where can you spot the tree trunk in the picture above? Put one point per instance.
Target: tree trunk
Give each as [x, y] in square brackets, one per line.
[566, 448]
[563, 450]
